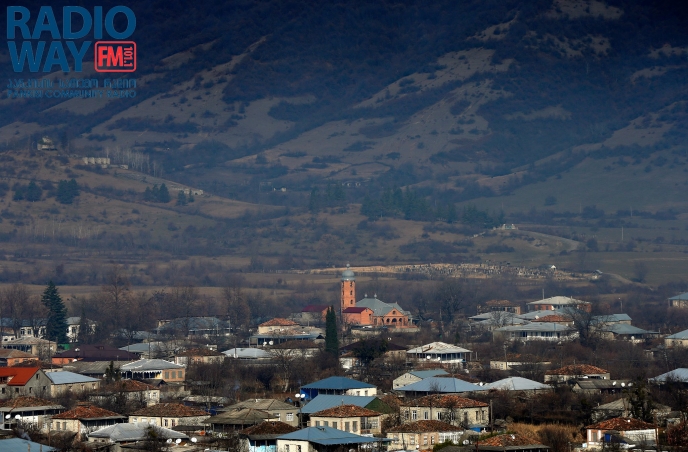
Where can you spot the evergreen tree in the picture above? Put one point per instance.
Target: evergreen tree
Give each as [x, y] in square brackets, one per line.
[181, 198]
[67, 191]
[33, 192]
[112, 373]
[163, 194]
[56, 327]
[331, 339]
[148, 194]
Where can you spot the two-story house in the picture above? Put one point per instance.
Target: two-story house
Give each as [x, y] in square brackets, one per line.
[453, 409]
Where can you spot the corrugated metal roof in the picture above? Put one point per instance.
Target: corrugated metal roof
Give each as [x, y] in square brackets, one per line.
[613, 318]
[683, 296]
[379, 307]
[622, 328]
[438, 348]
[440, 384]
[541, 326]
[558, 301]
[680, 335]
[133, 431]
[428, 373]
[148, 365]
[323, 402]
[516, 384]
[15, 444]
[338, 383]
[328, 436]
[680, 375]
[63, 378]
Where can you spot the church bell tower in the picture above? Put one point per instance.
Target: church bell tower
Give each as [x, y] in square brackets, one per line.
[348, 296]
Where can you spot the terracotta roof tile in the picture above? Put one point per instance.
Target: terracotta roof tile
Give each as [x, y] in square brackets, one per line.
[425, 426]
[622, 424]
[171, 410]
[20, 375]
[346, 411]
[269, 428]
[86, 412]
[25, 402]
[279, 322]
[507, 440]
[445, 401]
[128, 386]
[577, 369]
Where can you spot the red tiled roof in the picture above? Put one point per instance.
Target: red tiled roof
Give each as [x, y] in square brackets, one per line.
[129, 386]
[315, 308]
[86, 412]
[445, 401]
[170, 410]
[425, 426]
[269, 428]
[508, 440]
[20, 375]
[354, 310]
[577, 369]
[279, 322]
[25, 402]
[622, 424]
[346, 411]
[553, 318]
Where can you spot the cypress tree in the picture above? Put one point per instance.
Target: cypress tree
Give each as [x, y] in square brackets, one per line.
[163, 194]
[331, 339]
[56, 327]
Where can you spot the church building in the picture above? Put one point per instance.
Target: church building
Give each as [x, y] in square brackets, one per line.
[369, 311]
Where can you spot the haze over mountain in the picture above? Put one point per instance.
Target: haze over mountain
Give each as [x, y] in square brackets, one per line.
[510, 105]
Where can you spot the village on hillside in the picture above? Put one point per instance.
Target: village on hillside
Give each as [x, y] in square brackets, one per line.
[350, 377]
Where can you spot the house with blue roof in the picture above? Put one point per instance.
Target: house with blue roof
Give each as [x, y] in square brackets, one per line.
[679, 339]
[414, 376]
[325, 402]
[338, 386]
[625, 332]
[438, 385]
[63, 381]
[679, 375]
[324, 439]
[679, 301]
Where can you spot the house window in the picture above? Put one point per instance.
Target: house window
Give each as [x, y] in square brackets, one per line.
[290, 417]
[355, 426]
[414, 415]
[432, 439]
[334, 425]
[179, 374]
[426, 415]
[425, 440]
[412, 439]
[165, 422]
[317, 423]
[365, 393]
[326, 423]
[174, 422]
[30, 390]
[167, 375]
[439, 416]
[16, 390]
[64, 425]
[593, 436]
[358, 393]
[57, 425]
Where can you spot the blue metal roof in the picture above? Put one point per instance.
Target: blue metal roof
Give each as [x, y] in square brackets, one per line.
[15, 444]
[428, 373]
[683, 296]
[328, 436]
[326, 401]
[63, 378]
[622, 328]
[680, 335]
[337, 383]
[439, 384]
[680, 375]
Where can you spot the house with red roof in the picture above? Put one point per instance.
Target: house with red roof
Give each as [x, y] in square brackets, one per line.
[84, 419]
[358, 315]
[263, 437]
[169, 415]
[621, 430]
[511, 442]
[576, 372]
[450, 408]
[10, 357]
[422, 435]
[24, 381]
[349, 418]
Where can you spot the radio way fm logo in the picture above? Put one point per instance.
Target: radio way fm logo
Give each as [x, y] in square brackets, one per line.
[28, 47]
